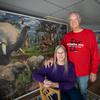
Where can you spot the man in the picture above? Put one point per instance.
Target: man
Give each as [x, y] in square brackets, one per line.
[82, 51]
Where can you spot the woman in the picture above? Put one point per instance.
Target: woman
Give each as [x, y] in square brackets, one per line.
[60, 75]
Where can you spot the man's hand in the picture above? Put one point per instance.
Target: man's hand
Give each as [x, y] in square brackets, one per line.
[48, 63]
[93, 77]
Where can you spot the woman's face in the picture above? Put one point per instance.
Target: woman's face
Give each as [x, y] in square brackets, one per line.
[60, 54]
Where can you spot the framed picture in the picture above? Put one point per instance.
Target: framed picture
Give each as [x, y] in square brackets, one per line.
[25, 41]
[98, 41]
[98, 38]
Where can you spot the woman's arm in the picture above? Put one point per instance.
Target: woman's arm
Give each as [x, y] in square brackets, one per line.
[40, 74]
[67, 83]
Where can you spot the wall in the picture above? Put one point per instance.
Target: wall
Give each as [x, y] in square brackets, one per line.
[93, 27]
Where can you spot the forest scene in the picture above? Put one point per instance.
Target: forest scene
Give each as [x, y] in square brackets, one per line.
[25, 42]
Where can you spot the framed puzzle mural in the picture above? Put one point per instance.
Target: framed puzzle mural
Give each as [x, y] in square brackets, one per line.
[25, 41]
[98, 41]
[98, 38]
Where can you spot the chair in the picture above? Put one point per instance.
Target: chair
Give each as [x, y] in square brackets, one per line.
[46, 93]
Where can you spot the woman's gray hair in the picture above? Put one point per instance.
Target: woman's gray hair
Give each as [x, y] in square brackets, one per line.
[55, 58]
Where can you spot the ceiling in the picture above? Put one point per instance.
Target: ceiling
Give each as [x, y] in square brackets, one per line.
[56, 9]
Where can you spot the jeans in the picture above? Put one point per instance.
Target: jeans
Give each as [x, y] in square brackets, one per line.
[72, 94]
[83, 84]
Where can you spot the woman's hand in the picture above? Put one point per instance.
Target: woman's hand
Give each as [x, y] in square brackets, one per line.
[48, 83]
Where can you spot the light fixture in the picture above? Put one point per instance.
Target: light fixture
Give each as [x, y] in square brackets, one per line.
[56, 18]
[53, 18]
[97, 1]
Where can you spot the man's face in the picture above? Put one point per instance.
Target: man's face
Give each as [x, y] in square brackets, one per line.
[74, 21]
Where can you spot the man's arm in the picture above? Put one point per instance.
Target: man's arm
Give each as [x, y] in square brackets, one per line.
[48, 63]
[94, 51]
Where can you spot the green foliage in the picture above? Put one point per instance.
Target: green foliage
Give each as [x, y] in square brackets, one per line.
[24, 78]
[34, 50]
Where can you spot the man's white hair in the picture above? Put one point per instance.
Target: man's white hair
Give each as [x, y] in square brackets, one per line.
[74, 13]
